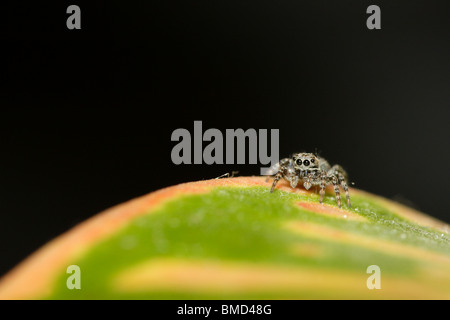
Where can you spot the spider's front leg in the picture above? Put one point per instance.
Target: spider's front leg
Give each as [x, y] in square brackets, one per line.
[335, 182]
[293, 180]
[308, 181]
[290, 176]
[323, 184]
[277, 178]
[342, 179]
[344, 185]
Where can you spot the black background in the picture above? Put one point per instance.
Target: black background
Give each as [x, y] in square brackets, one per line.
[87, 115]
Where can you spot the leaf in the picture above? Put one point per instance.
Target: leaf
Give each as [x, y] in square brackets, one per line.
[233, 239]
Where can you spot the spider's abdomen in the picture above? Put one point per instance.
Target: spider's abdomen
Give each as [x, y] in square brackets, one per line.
[323, 164]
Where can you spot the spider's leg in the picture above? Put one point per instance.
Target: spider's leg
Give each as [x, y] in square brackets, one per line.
[294, 181]
[334, 180]
[345, 187]
[278, 176]
[274, 170]
[323, 183]
[307, 184]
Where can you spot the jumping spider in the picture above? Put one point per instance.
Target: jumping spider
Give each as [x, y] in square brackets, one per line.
[314, 171]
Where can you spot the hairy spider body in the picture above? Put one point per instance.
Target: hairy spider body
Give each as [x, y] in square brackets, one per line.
[313, 171]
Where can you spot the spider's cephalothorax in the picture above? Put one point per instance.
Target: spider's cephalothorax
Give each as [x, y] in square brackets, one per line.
[313, 171]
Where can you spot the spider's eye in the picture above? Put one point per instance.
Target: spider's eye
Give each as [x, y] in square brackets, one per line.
[306, 163]
[312, 160]
[298, 162]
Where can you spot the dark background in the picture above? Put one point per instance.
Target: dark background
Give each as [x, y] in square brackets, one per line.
[87, 115]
